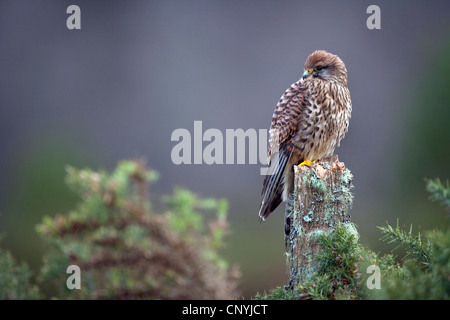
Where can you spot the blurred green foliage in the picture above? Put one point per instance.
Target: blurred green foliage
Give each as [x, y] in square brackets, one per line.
[439, 191]
[126, 251]
[123, 249]
[15, 279]
[37, 189]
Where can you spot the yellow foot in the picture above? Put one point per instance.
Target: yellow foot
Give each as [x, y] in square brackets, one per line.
[307, 163]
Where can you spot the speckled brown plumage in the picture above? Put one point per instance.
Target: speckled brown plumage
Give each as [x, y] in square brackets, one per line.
[308, 123]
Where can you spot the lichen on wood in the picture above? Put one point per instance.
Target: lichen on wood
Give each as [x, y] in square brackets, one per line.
[321, 200]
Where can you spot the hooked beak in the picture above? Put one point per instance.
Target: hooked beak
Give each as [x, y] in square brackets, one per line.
[306, 74]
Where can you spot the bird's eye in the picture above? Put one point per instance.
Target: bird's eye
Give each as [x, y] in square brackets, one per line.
[319, 68]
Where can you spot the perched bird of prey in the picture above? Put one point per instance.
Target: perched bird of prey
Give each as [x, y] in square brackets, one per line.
[308, 123]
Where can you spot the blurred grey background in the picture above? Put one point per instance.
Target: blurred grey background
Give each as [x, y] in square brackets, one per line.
[137, 70]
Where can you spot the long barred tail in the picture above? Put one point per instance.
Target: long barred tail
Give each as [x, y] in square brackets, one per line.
[272, 193]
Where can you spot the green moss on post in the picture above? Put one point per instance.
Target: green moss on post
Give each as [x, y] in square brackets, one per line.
[322, 200]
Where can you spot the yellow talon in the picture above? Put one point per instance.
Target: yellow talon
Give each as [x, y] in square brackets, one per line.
[307, 163]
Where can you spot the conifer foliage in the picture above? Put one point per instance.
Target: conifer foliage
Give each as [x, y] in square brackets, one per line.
[423, 273]
[125, 251]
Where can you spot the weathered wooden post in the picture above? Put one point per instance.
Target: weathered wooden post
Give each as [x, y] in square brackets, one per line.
[321, 200]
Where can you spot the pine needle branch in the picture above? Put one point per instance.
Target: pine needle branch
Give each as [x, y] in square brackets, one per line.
[415, 245]
[440, 191]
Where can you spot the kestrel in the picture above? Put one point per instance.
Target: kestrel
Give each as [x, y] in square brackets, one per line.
[308, 123]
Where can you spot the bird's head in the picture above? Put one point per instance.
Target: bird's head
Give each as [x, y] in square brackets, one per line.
[325, 66]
